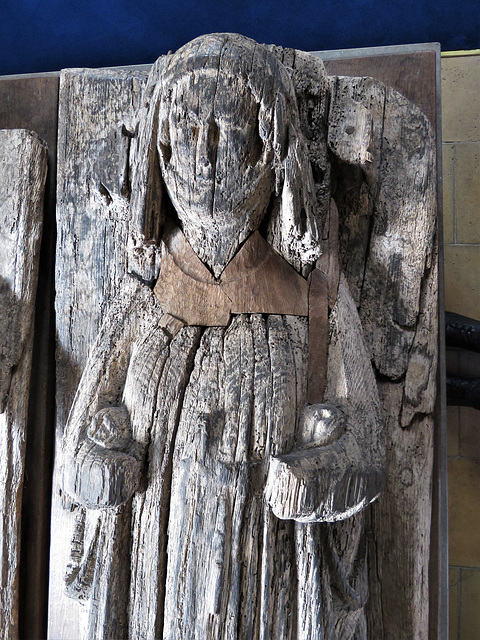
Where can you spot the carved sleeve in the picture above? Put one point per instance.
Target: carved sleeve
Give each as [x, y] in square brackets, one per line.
[339, 468]
[101, 460]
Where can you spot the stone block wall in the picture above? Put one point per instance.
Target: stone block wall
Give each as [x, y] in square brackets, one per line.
[461, 198]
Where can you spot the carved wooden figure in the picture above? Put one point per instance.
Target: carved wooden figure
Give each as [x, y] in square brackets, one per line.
[227, 433]
[23, 169]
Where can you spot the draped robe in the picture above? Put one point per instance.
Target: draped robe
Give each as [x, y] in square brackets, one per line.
[209, 407]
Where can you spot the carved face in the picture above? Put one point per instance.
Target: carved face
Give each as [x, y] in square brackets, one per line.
[215, 165]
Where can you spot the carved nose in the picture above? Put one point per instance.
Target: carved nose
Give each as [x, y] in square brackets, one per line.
[208, 144]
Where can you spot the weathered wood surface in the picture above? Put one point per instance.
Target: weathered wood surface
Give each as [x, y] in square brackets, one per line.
[257, 280]
[92, 227]
[411, 74]
[31, 102]
[173, 402]
[23, 170]
[367, 196]
[397, 292]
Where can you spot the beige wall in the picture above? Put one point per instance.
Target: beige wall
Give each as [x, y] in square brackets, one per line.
[461, 175]
[461, 167]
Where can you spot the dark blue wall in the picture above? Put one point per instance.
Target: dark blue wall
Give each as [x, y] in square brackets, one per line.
[47, 35]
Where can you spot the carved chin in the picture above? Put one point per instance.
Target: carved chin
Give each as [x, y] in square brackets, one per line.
[215, 226]
[216, 240]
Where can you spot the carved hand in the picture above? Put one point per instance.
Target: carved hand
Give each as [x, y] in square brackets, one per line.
[329, 479]
[105, 471]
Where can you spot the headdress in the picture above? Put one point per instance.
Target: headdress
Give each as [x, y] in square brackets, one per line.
[292, 227]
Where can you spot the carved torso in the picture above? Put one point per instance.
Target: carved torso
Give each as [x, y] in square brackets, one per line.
[211, 406]
[207, 467]
[234, 394]
[215, 404]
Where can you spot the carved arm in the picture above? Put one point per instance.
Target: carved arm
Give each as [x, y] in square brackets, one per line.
[339, 466]
[105, 471]
[102, 462]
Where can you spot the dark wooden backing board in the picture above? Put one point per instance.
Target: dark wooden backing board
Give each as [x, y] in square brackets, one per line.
[412, 74]
[31, 102]
[414, 71]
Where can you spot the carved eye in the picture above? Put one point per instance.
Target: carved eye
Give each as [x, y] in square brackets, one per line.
[164, 141]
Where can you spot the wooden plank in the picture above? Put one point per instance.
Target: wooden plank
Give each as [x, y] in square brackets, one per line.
[95, 115]
[33, 105]
[412, 74]
[317, 336]
[370, 183]
[31, 102]
[257, 280]
[23, 161]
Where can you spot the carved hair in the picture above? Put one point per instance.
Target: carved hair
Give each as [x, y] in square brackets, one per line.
[292, 226]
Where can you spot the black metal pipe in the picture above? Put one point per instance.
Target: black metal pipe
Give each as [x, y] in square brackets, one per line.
[462, 332]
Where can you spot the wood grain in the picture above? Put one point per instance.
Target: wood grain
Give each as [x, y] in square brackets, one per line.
[23, 161]
[413, 75]
[257, 280]
[389, 302]
[95, 116]
[317, 335]
[218, 414]
[31, 103]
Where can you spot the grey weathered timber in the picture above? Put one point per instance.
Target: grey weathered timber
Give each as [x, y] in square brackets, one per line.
[23, 170]
[216, 484]
[95, 125]
[31, 102]
[414, 71]
[395, 285]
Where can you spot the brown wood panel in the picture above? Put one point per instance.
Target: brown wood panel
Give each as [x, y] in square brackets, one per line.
[32, 103]
[412, 74]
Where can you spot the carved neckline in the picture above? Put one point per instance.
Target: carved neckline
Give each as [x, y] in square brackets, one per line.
[257, 280]
[252, 255]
